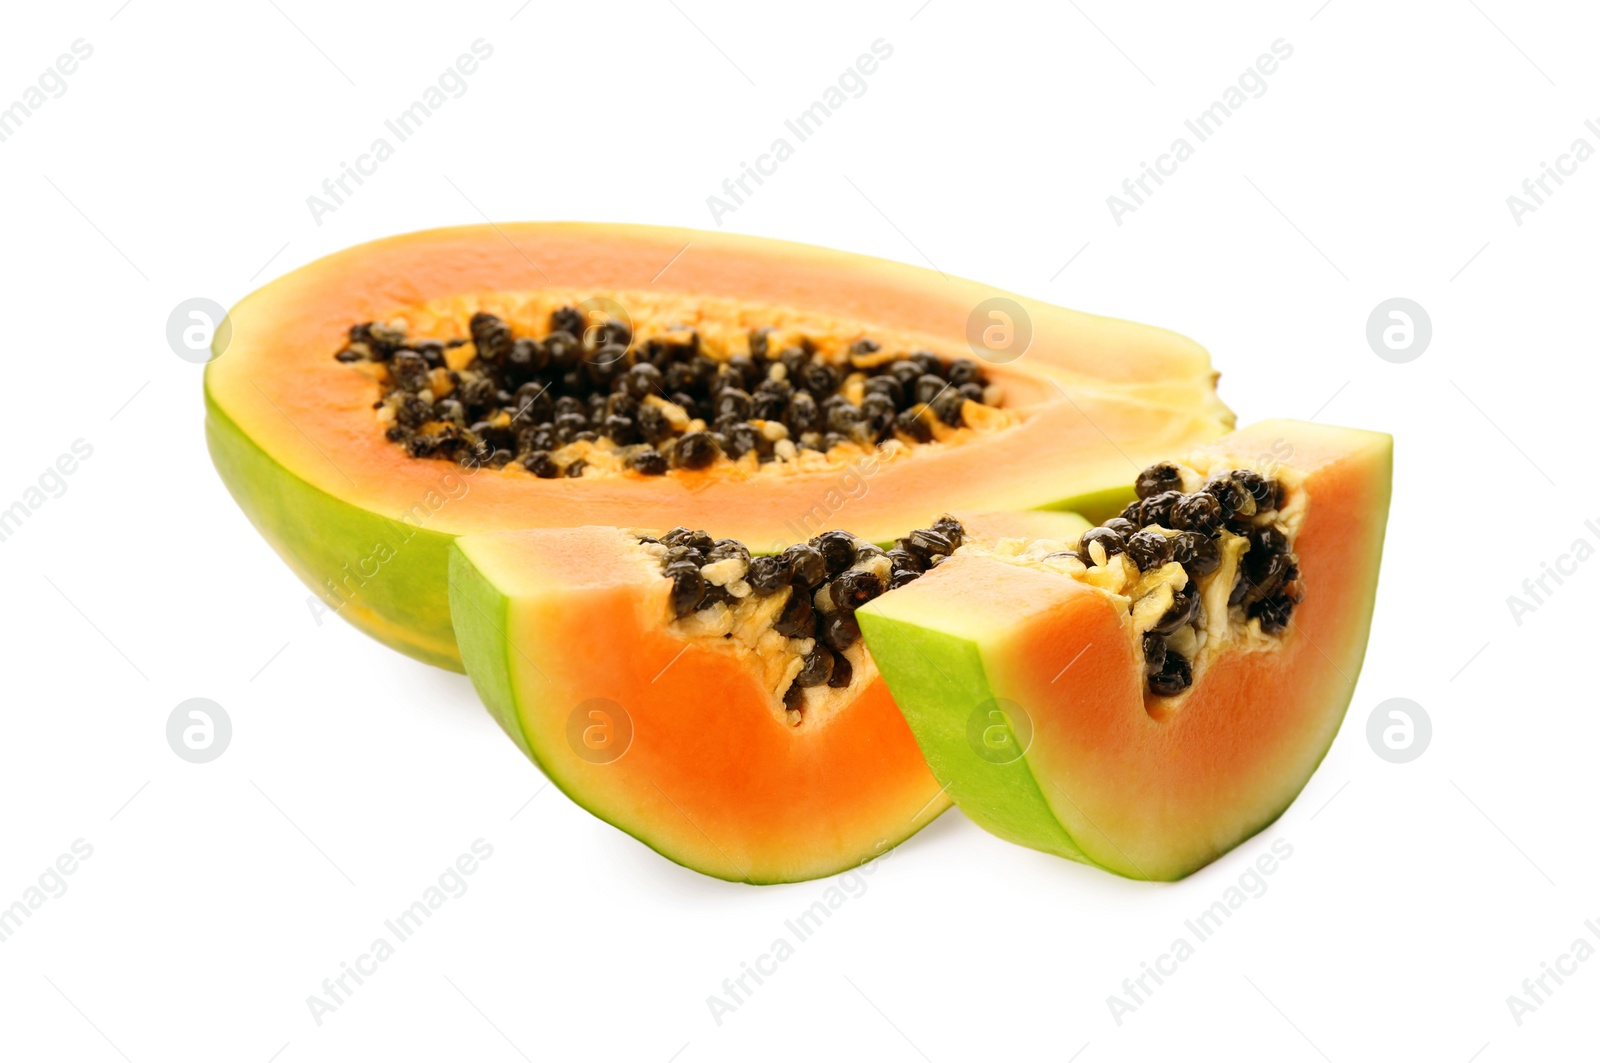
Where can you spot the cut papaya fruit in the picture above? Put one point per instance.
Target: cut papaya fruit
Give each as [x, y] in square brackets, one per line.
[1155, 693]
[375, 404]
[718, 706]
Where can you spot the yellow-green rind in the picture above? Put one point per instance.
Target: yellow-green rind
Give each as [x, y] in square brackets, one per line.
[943, 702]
[384, 576]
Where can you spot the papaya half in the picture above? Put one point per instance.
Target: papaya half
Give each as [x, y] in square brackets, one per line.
[376, 404]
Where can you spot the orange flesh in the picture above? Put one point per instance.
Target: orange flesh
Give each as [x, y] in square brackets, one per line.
[712, 778]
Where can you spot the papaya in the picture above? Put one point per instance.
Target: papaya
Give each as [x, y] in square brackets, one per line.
[1149, 696]
[377, 403]
[717, 705]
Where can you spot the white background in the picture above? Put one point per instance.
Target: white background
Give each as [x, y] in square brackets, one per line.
[219, 896]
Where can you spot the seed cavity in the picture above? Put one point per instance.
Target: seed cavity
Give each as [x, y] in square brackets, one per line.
[796, 609]
[586, 399]
[1213, 560]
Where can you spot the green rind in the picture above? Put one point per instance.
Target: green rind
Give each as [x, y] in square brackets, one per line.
[338, 549]
[480, 614]
[939, 702]
[1096, 506]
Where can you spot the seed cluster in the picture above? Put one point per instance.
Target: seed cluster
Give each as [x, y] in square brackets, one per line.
[661, 403]
[824, 582]
[1167, 524]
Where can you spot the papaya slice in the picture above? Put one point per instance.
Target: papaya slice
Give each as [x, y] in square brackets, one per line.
[1152, 695]
[720, 707]
[349, 381]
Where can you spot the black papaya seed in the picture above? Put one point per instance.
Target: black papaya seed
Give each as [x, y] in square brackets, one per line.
[1157, 509]
[796, 620]
[1121, 525]
[853, 589]
[1231, 495]
[843, 672]
[1109, 541]
[695, 450]
[1198, 554]
[817, 669]
[929, 387]
[568, 319]
[840, 630]
[1263, 490]
[911, 423]
[965, 371]
[649, 461]
[1175, 676]
[693, 539]
[905, 373]
[1184, 607]
[838, 549]
[1241, 586]
[1273, 612]
[951, 408]
[806, 566]
[951, 529]
[888, 387]
[542, 465]
[1149, 549]
[1198, 512]
[687, 587]
[867, 551]
[1267, 577]
[906, 561]
[767, 574]
[1267, 540]
[723, 549]
[928, 543]
[1162, 476]
[1155, 652]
